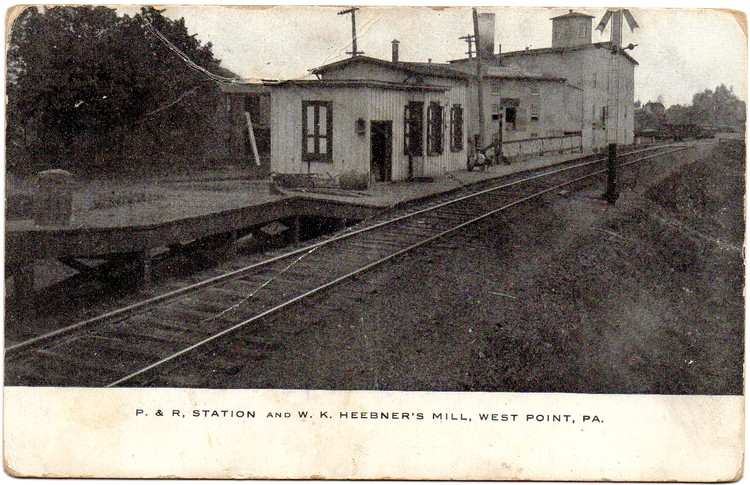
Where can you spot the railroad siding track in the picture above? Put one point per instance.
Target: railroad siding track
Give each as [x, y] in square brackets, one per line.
[117, 348]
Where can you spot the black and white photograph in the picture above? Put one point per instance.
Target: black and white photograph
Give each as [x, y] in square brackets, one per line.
[475, 243]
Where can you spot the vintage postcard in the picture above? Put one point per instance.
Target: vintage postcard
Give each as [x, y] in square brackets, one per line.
[375, 242]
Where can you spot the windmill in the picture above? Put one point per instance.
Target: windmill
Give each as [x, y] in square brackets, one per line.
[613, 90]
[616, 16]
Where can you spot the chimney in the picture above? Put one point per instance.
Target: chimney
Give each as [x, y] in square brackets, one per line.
[486, 47]
[394, 50]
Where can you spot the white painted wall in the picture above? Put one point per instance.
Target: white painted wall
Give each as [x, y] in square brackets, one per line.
[351, 151]
[588, 69]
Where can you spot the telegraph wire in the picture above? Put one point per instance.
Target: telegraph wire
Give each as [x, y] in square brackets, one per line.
[185, 58]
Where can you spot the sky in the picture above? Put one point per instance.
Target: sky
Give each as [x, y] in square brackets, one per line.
[680, 51]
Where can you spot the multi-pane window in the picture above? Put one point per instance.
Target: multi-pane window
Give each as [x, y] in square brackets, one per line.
[457, 128]
[495, 90]
[317, 131]
[413, 125]
[434, 129]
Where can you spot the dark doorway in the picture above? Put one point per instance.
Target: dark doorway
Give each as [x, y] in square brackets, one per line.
[381, 150]
[510, 119]
[257, 109]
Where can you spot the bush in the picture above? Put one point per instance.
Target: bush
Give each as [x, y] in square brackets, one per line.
[353, 181]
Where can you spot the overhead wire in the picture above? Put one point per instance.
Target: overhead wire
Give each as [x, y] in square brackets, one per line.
[348, 42]
[185, 58]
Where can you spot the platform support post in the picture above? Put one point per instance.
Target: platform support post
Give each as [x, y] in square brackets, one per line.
[129, 271]
[295, 229]
[232, 245]
[140, 269]
[23, 283]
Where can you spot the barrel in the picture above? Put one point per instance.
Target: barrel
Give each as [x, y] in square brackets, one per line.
[54, 198]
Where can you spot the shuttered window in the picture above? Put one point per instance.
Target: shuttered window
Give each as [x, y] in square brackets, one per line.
[434, 129]
[317, 131]
[457, 128]
[413, 125]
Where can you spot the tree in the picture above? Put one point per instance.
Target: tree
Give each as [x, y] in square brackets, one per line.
[678, 114]
[650, 116]
[86, 86]
[718, 107]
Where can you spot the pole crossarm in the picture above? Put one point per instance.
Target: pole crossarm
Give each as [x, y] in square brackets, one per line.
[354, 52]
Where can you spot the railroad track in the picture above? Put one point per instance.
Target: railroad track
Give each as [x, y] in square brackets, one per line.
[120, 347]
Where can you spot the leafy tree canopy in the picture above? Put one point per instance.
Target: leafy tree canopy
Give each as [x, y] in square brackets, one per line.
[83, 81]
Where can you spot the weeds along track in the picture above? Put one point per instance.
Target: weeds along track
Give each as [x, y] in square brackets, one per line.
[124, 346]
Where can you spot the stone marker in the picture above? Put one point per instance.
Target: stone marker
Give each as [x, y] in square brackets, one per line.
[54, 198]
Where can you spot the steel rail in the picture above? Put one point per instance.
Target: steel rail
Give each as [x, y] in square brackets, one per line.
[370, 266]
[144, 304]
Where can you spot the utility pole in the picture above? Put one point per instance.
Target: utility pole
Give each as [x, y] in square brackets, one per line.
[480, 81]
[352, 11]
[469, 40]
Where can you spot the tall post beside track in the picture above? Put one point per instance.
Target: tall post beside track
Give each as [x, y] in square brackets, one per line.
[611, 195]
[612, 111]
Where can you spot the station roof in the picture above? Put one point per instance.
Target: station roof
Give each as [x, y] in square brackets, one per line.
[415, 68]
[266, 86]
[441, 70]
[360, 83]
[547, 50]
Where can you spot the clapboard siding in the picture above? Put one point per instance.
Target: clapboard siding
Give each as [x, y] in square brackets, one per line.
[351, 151]
[347, 148]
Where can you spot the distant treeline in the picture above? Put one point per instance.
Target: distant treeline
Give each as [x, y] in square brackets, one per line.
[710, 111]
[92, 91]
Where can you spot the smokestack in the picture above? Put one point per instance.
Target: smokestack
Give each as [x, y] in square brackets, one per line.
[486, 47]
[394, 50]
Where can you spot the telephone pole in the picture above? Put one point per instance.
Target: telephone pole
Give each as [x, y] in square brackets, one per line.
[469, 40]
[480, 82]
[353, 11]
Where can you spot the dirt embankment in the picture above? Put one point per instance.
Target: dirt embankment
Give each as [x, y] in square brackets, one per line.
[565, 295]
[645, 298]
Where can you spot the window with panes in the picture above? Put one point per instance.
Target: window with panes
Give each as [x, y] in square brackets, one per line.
[457, 128]
[317, 131]
[434, 129]
[413, 126]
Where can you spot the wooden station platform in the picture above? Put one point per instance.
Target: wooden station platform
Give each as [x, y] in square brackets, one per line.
[181, 214]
